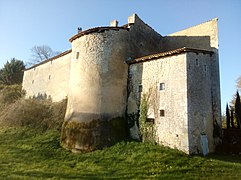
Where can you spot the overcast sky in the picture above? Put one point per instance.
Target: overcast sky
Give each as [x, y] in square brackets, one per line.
[26, 23]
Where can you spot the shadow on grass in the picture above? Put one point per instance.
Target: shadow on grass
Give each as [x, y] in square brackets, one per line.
[233, 158]
[58, 175]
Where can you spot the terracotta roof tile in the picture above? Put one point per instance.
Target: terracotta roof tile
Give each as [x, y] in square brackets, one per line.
[167, 53]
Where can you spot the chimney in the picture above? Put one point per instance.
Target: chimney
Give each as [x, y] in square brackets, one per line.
[132, 19]
[114, 23]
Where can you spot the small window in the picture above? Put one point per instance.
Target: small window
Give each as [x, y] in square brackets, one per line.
[32, 81]
[162, 113]
[162, 86]
[150, 120]
[77, 55]
[49, 77]
[205, 67]
[140, 88]
[197, 62]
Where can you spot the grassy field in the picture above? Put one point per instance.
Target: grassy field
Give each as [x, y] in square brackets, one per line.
[27, 154]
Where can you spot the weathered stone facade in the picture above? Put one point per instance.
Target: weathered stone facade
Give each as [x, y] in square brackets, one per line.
[102, 75]
[179, 84]
[50, 79]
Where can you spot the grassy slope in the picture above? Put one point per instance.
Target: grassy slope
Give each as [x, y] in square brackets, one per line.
[25, 154]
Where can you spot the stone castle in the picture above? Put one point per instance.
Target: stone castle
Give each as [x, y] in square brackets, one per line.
[108, 71]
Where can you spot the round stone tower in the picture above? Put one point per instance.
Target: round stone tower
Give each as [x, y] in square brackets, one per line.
[97, 90]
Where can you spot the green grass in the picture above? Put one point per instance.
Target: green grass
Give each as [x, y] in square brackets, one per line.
[27, 154]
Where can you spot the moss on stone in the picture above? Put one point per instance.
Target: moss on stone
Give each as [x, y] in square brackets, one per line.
[96, 134]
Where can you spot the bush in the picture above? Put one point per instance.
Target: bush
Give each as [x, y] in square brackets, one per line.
[10, 94]
[38, 114]
[41, 114]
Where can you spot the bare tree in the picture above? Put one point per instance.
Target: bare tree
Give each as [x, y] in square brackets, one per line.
[238, 83]
[42, 53]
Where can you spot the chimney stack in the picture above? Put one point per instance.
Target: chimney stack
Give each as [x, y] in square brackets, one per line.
[114, 23]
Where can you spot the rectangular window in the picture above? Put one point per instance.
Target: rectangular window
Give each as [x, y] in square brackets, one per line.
[205, 68]
[162, 113]
[140, 88]
[150, 120]
[77, 55]
[197, 62]
[162, 86]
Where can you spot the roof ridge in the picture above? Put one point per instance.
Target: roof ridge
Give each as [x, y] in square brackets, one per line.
[167, 53]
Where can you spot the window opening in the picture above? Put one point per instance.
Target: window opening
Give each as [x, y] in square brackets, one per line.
[140, 88]
[205, 68]
[197, 62]
[162, 113]
[162, 86]
[77, 55]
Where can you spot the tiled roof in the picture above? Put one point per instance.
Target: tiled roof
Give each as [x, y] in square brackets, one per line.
[97, 29]
[51, 59]
[167, 53]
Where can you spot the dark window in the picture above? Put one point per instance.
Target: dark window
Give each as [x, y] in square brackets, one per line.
[77, 55]
[140, 88]
[150, 120]
[49, 77]
[32, 81]
[197, 62]
[205, 68]
[162, 113]
[162, 86]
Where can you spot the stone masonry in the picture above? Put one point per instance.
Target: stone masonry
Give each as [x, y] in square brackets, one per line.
[107, 71]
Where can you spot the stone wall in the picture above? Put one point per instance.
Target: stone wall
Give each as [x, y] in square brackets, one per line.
[143, 40]
[202, 36]
[49, 79]
[172, 128]
[97, 90]
[98, 77]
[94, 76]
[199, 98]
[185, 100]
[98, 82]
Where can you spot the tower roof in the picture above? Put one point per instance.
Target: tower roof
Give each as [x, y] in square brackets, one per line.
[98, 30]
